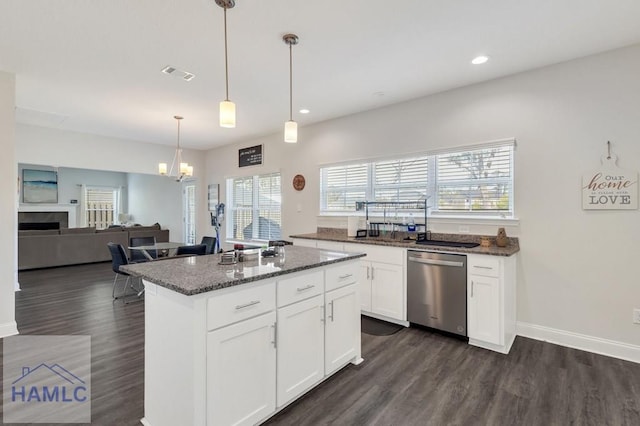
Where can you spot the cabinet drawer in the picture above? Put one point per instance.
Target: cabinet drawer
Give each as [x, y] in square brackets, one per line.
[392, 255]
[341, 275]
[301, 287]
[303, 242]
[488, 266]
[240, 304]
[330, 245]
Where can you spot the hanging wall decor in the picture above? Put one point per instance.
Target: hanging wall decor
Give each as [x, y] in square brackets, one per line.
[610, 187]
[39, 186]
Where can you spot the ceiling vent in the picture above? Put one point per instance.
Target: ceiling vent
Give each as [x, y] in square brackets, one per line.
[184, 75]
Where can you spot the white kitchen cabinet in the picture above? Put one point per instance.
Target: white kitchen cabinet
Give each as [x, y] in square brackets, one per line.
[387, 295]
[342, 327]
[241, 372]
[329, 245]
[382, 282]
[491, 301]
[304, 242]
[300, 337]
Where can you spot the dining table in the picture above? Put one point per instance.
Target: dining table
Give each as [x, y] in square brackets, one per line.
[169, 247]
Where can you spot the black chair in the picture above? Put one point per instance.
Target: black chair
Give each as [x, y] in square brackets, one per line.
[138, 256]
[119, 258]
[210, 242]
[196, 250]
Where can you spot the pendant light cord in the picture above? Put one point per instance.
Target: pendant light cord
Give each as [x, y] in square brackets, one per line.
[290, 83]
[226, 60]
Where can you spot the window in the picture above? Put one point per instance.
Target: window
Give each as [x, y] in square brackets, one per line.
[189, 204]
[475, 181]
[101, 206]
[254, 208]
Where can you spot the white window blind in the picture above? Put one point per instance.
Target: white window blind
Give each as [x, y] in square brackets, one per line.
[401, 180]
[480, 180]
[477, 181]
[101, 206]
[342, 186]
[254, 207]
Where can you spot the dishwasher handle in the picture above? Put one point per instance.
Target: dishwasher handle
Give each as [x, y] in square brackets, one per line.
[436, 262]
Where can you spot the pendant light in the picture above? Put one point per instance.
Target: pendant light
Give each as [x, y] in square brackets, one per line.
[183, 169]
[290, 127]
[227, 108]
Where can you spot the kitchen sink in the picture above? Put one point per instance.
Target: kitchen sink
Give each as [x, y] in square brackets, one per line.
[447, 243]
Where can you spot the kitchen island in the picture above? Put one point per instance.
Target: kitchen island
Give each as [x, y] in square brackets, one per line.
[234, 344]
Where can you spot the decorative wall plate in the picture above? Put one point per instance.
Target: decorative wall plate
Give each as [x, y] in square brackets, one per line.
[298, 182]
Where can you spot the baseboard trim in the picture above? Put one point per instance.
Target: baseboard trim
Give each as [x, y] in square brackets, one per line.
[583, 342]
[385, 318]
[8, 329]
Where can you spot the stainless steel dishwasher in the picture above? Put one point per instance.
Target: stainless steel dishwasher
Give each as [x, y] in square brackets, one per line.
[437, 291]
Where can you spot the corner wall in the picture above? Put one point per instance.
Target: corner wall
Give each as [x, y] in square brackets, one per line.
[578, 270]
[8, 207]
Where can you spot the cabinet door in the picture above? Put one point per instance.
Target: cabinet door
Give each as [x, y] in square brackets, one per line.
[484, 309]
[364, 281]
[342, 327]
[241, 372]
[387, 290]
[300, 337]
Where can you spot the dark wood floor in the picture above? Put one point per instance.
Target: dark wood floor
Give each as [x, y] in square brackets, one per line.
[413, 377]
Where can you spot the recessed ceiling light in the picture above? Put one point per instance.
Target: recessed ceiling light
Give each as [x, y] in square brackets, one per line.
[479, 60]
[304, 111]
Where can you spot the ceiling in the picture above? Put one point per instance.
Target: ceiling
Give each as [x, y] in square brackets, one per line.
[95, 66]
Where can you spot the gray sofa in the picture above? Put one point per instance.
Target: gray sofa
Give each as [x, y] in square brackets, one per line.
[72, 246]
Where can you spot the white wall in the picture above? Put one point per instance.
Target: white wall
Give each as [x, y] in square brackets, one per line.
[59, 148]
[156, 199]
[8, 206]
[578, 270]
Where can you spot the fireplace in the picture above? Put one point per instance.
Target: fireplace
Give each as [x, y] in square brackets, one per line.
[42, 220]
[39, 226]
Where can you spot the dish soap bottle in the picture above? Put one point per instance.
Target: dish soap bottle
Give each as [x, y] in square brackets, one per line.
[411, 226]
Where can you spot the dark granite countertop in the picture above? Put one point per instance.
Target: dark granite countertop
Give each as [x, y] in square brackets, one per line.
[200, 274]
[340, 236]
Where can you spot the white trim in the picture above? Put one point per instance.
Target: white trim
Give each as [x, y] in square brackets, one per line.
[69, 208]
[385, 318]
[8, 329]
[583, 342]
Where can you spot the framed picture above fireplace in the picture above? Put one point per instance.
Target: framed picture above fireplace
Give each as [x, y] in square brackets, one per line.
[39, 186]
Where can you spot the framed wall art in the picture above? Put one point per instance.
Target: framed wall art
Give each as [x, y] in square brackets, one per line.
[39, 186]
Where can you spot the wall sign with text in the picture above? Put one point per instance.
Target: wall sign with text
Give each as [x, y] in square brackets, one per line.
[610, 188]
[251, 156]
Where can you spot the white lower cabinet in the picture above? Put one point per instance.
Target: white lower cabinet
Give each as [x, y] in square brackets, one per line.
[300, 348]
[382, 281]
[342, 327]
[241, 372]
[387, 290]
[491, 301]
[484, 309]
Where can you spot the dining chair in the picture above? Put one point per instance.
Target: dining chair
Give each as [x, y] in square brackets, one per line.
[196, 250]
[210, 242]
[137, 256]
[119, 258]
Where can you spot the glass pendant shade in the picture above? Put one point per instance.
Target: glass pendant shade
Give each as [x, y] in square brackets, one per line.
[162, 168]
[291, 131]
[184, 167]
[227, 114]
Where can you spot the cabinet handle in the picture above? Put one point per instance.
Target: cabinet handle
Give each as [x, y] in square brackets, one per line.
[246, 305]
[275, 335]
[307, 287]
[323, 313]
[471, 288]
[367, 272]
[331, 316]
[342, 277]
[482, 267]
[372, 269]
